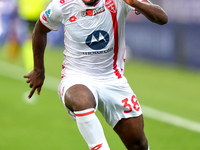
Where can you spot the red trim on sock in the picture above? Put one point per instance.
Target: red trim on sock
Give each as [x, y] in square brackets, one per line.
[85, 114]
[97, 147]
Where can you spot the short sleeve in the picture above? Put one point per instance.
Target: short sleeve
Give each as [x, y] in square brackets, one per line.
[52, 16]
[133, 9]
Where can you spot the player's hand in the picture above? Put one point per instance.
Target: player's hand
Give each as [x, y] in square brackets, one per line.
[135, 3]
[35, 80]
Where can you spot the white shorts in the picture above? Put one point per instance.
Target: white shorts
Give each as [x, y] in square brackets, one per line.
[114, 97]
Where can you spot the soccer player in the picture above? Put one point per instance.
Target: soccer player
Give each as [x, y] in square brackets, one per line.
[92, 75]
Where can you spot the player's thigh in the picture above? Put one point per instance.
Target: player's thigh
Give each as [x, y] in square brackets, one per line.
[131, 132]
[77, 93]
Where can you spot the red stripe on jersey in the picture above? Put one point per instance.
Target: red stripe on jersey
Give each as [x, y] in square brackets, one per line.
[110, 5]
[85, 114]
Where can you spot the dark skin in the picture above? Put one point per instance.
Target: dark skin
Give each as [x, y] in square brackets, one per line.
[151, 11]
[90, 2]
[79, 97]
[37, 76]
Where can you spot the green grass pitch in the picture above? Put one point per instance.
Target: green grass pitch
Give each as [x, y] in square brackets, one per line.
[43, 124]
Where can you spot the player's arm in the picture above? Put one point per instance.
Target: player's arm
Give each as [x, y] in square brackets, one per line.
[39, 41]
[151, 11]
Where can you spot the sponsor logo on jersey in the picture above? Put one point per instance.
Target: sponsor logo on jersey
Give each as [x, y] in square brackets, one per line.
[97, 40]
[92, 12]
[62, 1]
[72, 19]
[98, 52]
[47, 15]
[44, 17]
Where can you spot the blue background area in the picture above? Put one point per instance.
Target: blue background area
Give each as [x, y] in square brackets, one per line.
[176, 43]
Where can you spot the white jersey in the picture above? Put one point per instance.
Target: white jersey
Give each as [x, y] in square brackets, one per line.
[94, 35]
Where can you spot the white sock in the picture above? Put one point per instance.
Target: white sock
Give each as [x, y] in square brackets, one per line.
[148, 148]
[91, 129]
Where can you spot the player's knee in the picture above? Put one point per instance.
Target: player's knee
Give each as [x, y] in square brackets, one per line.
[79, 97]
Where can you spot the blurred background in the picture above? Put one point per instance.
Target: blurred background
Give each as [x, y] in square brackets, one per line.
[178, 42]
[163, 68]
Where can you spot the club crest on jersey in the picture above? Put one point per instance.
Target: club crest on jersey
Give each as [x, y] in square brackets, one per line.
[97, 40]
[92, 12]
[110, 5]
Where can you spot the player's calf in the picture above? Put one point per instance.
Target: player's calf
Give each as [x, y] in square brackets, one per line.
[131, 132]
[138, 145]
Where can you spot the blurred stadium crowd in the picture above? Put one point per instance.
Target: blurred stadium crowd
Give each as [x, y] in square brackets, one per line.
[17, 20]
[177, 42]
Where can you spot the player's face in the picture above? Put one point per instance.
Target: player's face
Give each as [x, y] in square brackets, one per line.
[90, 2]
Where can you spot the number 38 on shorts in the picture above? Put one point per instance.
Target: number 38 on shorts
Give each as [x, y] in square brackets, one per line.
[131, 104]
